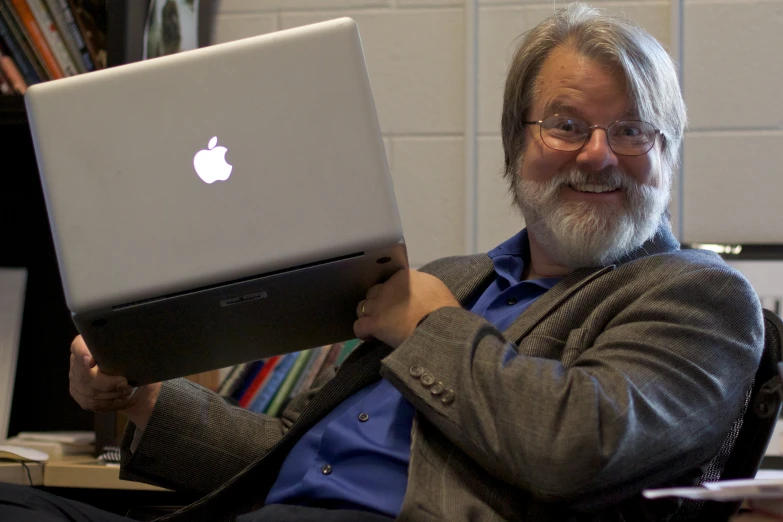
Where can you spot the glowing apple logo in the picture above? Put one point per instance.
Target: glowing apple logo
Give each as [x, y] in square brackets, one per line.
[210, 163]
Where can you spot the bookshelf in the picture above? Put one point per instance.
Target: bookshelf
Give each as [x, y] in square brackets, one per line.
[12, 111]
[41, 400]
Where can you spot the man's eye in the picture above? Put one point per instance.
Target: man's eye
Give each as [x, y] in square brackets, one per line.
[566, 126]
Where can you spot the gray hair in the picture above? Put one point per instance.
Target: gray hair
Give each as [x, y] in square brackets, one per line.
[650, 75]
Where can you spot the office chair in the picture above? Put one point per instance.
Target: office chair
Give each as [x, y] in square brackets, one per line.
[744, 447]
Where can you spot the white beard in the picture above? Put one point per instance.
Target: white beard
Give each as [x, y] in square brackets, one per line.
[583, 233]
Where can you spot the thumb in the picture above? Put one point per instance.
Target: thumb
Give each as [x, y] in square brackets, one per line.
[89, 361]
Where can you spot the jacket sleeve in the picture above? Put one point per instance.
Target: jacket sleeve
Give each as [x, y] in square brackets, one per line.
[652, 396]
[195, 441]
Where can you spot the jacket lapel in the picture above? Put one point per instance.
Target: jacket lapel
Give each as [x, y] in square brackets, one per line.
[548, 302]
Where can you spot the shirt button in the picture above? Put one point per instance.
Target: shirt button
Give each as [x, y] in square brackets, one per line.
[448, 397]
[326, 469]
[511, 301]
[363, 417]
[437, 388]
[427, 380]
[417, 371]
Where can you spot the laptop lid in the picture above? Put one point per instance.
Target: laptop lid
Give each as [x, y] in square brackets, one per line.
[12, 291]
[212, 165]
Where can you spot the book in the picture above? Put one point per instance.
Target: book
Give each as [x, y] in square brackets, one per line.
[232, 380]
[331, 359]
[63, 28]
[346, 350]
[267, 392]
[36, 37]
[15, 43]
[12, 75]
[68, 437]
[258, 381]
[247, 380]
[53, 37]
[5, 85]
[84, 14]
[76, 35]
[311, 371]
[54, 449]
[284, 392]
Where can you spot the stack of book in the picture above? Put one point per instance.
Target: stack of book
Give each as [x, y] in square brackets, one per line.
[44, 40]
[56, 443]
[266, 386]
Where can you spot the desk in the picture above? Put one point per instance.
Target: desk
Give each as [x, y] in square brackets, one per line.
[14, 473]
[88, 472]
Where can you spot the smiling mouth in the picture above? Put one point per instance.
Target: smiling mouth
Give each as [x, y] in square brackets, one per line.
[592, 188]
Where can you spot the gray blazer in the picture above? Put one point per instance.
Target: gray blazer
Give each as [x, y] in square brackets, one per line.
[628, 376]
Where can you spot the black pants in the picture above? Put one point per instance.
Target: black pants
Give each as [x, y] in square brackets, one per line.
[27, 504]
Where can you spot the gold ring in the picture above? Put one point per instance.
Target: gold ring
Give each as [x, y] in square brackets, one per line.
[362, 313]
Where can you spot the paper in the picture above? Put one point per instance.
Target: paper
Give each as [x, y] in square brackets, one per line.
[726, 491]
[70, 437]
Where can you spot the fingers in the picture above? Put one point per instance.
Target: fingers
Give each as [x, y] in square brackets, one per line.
[79, 349]
[90, 387]
[361, 329]
[374, 291]
[93, 403]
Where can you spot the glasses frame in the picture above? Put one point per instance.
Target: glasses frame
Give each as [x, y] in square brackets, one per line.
[590, 129]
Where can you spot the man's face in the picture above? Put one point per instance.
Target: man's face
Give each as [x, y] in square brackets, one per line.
[590, 206]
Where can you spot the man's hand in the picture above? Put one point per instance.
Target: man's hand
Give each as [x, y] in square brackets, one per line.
[97, 391]
[393, 310]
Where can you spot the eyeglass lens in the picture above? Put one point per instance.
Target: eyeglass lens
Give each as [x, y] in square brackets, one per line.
[629, 138]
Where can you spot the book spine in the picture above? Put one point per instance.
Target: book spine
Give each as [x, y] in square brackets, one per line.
[299, 384]
[259, 381]
[346, 350]
[73, 29]
[88, 32]
[315, 370]
[267, 392]
[248, 379]
[230, 379]
[53, 38]
[5, 85]
[55, 13]
[282, 395]
[37, 38]
[12, 75]
[11, 35]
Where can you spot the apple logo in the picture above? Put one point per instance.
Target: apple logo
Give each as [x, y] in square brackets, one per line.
[210, 163]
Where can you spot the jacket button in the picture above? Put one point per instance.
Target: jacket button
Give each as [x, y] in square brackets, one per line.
[448, 397]
[437, 388]
[326, 469]
[363, 417]
[427, 380]
[417, 371]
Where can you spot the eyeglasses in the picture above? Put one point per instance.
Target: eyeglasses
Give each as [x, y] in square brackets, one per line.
[568, 134]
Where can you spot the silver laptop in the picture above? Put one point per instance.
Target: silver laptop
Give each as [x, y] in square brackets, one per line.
[218, 205]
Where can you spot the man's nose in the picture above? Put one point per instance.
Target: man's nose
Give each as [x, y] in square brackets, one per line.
[597, 153]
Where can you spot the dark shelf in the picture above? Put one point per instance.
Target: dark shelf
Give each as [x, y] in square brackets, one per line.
[12, 110]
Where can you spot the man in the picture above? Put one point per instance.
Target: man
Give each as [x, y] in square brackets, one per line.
[581, 361]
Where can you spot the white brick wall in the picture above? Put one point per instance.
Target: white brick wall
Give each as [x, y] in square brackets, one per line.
[416, 55]
[732, 80]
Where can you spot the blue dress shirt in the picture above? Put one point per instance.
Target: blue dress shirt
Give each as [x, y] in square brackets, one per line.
[357, 456]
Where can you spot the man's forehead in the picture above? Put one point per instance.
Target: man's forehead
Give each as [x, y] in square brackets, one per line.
[567, 106]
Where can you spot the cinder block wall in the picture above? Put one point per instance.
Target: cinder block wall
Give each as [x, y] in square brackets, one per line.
[416, 53]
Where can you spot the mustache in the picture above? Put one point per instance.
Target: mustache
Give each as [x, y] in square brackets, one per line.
[611, 176]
